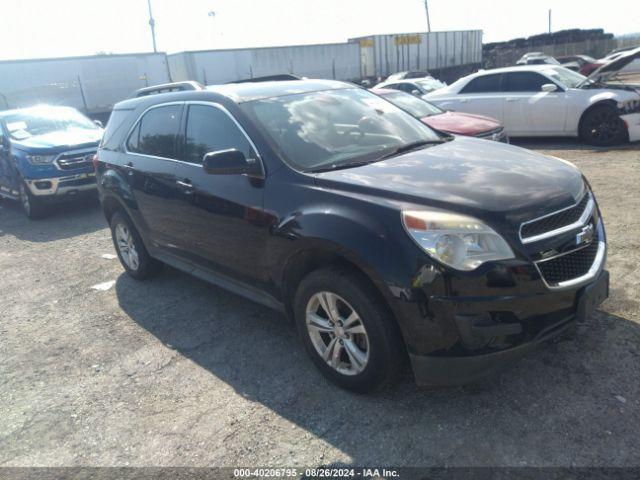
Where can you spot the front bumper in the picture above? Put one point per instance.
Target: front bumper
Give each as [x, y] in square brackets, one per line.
[478, 330]
[62, 186]
[632, 120]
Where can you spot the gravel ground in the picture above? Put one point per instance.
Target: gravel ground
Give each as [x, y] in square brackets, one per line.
[178, 372]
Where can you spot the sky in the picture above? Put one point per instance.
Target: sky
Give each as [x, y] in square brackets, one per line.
[56, 28]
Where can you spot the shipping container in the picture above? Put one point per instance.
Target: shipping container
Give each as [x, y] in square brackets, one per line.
[92, 84]
[333, 61]
[382, 55]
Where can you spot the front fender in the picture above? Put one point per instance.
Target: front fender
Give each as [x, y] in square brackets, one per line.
[366, 242]
[381, 250]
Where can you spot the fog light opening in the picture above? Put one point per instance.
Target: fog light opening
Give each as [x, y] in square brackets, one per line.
[43, 185]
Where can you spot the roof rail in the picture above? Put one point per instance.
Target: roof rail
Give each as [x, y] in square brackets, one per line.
[269, 78]
[166, 88]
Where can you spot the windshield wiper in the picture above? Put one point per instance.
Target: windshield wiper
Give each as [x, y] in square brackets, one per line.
[402, 149]
[341, 166]
[409, 147]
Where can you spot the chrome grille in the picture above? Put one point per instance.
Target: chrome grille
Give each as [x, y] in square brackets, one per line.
[558, 222]
[569, 266]
[75, 161]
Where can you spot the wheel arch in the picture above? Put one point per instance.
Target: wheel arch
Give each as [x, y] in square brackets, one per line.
[110, 205]
[607, 102]
[308, 260]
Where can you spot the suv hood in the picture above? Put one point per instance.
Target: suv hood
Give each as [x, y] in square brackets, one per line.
[60, 141]
[470, 176]
[614, 66]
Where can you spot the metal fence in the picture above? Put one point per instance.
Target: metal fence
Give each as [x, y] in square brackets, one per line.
[630, 40]
[507, 56]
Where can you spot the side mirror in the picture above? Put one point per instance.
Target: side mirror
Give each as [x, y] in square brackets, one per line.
[231, 162]
[98, 123]
[416, 93]
[549, 87]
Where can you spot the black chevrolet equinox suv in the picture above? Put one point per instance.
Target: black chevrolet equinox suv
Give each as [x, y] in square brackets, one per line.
[382, 239]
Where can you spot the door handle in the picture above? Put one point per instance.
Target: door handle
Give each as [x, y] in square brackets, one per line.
[128, 166]
[512, 99]
[464, 100]
[186, 184]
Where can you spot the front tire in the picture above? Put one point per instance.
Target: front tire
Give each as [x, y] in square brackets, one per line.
[131, 251]
[347, 330]
[603, 127]
[31, 205]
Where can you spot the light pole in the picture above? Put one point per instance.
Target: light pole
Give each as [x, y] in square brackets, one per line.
[426, 7]
[152, 25]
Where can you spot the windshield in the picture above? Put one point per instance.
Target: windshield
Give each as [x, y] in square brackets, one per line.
[41, 121]
[414, 105]
[565, 77]
[318, 130]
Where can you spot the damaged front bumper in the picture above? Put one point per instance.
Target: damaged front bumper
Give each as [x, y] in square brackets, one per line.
[448, 370]
[632, 121]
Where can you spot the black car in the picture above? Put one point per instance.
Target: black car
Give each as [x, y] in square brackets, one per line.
[381, 238]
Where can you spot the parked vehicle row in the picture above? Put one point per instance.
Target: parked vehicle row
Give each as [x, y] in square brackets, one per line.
[380, 237]
[46, 152]
[550, 100]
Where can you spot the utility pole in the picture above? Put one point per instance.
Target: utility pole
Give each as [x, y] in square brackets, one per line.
[212, 16]
[152, 25]
[426, 8]
[549, 20]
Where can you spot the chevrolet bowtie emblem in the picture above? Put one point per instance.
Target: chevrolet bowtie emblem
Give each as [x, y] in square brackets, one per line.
[585, 235]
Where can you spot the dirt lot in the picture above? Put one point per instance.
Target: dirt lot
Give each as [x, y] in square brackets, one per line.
[177, 372]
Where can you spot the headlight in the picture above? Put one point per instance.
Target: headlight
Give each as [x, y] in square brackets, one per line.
[461, 242]
[40, 159]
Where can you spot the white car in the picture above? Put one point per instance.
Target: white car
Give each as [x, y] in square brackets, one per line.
[549, 100]
[415, 86]
[537, 58]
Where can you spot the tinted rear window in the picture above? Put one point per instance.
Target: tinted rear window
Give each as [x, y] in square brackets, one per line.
[484, 84]
[156, 132]
[523, 82]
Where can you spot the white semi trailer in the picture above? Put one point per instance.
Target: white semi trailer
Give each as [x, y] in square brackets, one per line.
[91, 84]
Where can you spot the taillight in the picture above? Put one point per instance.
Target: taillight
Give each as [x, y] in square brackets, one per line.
[94, 160]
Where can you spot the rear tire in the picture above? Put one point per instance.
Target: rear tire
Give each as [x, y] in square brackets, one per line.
[603, 127]
[31, 205]
[131, 251]
[358, 346]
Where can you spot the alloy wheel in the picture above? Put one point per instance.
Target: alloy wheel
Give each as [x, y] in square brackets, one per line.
[604, 127]
[337, 333]
[127, 247]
